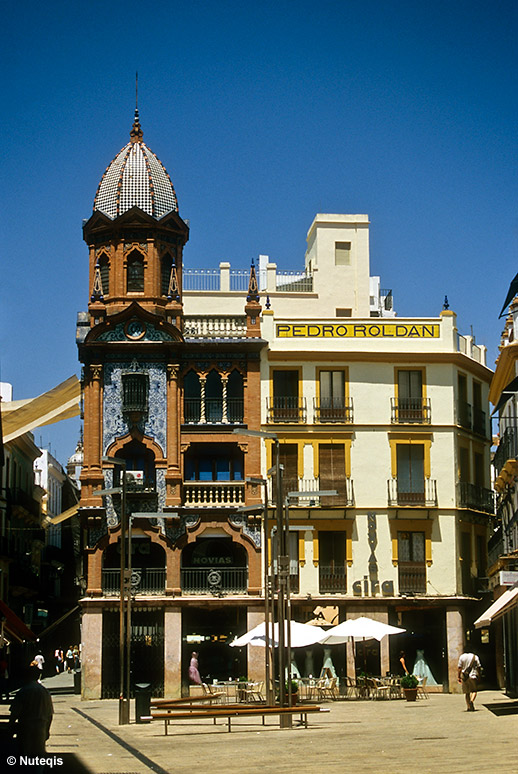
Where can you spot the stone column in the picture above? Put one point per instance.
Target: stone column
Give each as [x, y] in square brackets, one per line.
[173, 475]
[256, 654]
[173, 652]
[455, 646]
[91, 653]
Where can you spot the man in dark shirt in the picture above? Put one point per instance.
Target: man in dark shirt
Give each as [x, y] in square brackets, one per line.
[31, 715]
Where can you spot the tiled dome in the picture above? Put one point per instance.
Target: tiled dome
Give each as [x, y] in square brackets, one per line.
[135, 177]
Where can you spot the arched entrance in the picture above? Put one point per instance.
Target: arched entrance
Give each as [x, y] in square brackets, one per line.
[214, 565]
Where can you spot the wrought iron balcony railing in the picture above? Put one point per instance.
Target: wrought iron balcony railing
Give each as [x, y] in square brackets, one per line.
[412, 577]
[202, 494]
[214, 580]
[464, 414]
[410, 411]
[479, 422]
[144, 580]
[332, 578]
[333, 410]
[417, 493]
[286, 410]
[507, 448]
[343, 486]
[213, 411]
[476, 497]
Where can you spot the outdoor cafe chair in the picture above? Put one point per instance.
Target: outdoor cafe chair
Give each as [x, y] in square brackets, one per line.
[329, 689]
[378, 689]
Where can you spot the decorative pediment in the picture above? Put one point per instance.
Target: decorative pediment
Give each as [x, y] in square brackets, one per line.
[134, 324]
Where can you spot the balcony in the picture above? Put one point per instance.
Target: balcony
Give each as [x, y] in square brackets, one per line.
[213, 494]
[418, 493]
[333, 410]
[332, 579]
[410, 411]
[286, 410]
[213, 411]
[19, 500]
[214, 580]
[214, 327]
[343, 486]
[475, 497]
[479, 422]
[144, 580]
[506, 453]
[412, 577]
[464, 414]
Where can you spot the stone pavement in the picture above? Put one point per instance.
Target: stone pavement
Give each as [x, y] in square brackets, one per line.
[364, 737]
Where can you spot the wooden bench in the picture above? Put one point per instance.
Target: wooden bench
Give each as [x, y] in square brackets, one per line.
[231, 711]
[208, 698]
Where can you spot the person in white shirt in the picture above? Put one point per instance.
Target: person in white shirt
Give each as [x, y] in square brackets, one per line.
[468, 674]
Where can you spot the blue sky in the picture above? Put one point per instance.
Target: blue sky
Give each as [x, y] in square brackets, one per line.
[263, 114]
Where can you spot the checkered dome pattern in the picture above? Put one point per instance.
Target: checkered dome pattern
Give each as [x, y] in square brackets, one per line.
[136, 178]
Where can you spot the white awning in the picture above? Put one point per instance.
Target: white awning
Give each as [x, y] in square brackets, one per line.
[62, 402]
[499, 607]
[63, 516]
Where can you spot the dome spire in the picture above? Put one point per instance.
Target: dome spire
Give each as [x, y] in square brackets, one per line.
[136, 133]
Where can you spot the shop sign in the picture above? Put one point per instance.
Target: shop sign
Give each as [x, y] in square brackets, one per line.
[358, 330]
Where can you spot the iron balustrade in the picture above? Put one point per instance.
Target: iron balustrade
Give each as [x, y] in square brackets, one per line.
[412, 577]
[294, 282]
[331, 579]
[16, 497]
[479, 422]
[464, 414]
[507, 448]
[215, 411]
[213, 493]
[475, 497]
[422, 492]
[214, 580]
[286, 409]
[343, 486]
[145, 580]
[410, 410]
[337, 410]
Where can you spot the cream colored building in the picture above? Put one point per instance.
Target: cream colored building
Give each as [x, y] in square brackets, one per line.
[392, 413]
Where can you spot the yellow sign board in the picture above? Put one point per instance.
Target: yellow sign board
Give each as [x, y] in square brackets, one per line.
[393, 330]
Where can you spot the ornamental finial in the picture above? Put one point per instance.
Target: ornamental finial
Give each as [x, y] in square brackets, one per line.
[136, 133]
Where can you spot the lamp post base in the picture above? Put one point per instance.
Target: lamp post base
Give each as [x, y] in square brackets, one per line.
[286, 721]
[124, 712]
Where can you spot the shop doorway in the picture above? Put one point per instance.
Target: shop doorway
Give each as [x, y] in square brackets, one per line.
[208, 631]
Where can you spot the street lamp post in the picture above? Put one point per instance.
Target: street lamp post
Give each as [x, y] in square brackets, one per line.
[125, 605]
[282, 568]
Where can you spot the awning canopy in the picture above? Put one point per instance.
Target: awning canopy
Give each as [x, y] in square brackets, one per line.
[64, 515]
[508, 392]
[499, 607]
[62, 402]
[14, 625]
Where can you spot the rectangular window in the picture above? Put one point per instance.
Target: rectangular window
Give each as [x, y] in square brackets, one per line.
[332, 397]
[411, 562]
[286, 403]
[331, 562]
[410, 473]
[344, 312]
[331, 466]
[342, 253]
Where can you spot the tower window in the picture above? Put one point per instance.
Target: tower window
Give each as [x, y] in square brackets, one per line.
[135, 272]
[342, 253]
[104, 268]
[167, 262]
[135, 388]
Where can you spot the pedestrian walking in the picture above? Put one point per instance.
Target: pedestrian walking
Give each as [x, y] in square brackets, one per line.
[59, 659]
[468, 675]
[69, 659]
[31, 715]
[194, 674]
[39, 660]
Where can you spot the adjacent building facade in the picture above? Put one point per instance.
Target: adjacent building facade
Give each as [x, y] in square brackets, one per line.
[390, 413]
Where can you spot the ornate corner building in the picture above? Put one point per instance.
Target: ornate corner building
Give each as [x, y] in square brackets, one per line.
[162, 392]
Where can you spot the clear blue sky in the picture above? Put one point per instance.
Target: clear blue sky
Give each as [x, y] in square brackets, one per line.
[263, 114]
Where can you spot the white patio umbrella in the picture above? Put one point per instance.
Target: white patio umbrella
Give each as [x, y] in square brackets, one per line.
[358, 629]
[302, 635]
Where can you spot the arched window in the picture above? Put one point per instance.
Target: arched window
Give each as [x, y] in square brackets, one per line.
[167, 262]
[140, 467]
[235, 397]
[192, 397]
[214, 397]
[135, 272]
[104, 268]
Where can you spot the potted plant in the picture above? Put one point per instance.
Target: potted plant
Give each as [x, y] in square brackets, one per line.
[293, 686]
[409, 685]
